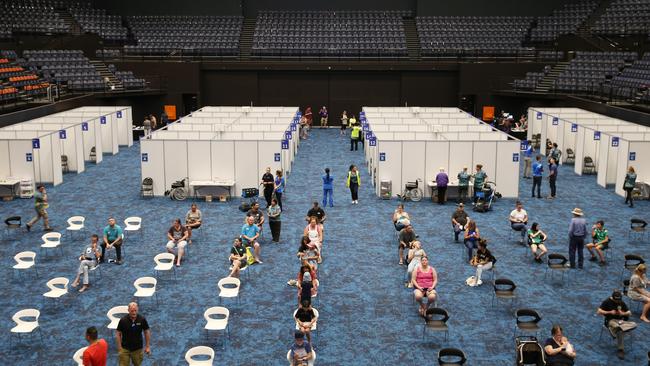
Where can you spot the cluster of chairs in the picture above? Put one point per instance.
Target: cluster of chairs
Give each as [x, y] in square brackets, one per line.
[546, 55]
[329, 33]
[481, 35]
[129, 80]
[588, 70]
[68, 67]
[564, 20]
[108, 52]
[109, 27]
[530, 81]
[201, 35]
[632, 80]
[19, 81]
[624, 17]
[31, 16]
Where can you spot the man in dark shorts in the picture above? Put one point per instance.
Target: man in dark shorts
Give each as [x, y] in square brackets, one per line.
[406, 237]
[237, 258]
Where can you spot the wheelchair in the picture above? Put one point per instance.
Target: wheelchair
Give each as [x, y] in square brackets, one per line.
[179, 190]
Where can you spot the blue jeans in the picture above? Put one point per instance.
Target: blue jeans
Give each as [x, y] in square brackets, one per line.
[576, 243]
[521, 227]
[470, 245]
[328, 192]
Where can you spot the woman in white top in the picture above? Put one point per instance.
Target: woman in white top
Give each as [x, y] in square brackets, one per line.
[314, 232]
[401, 218]
[638, 292]
[416, 253]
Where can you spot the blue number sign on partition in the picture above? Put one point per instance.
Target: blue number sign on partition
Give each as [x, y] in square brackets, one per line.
[62, 134]
[145, 157]
[84, 126]
[287, 135]
[102, 120]
[614, 141]
[29, 157]
[523, 145]
[539, 115]
[36, 143]
[382, 156]
[372, 141]
[556, 121]
[366, 128]
[276, 157]
[119, 114]
[293, 127]
[515, 157]
[596, 135]
[632, 156]
[285, 145]
[574, 127]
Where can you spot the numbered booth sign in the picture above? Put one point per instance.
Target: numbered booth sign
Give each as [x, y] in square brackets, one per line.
[574, 127]
[382, 156]
[102, 120]
[84, 126]
[285, 145]
[515, 157]
[614, 141]
[119, 114]
[556, 121]
[523, 146]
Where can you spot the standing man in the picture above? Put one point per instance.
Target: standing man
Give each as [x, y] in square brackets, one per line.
[442, 180]
[538, 169]
[267, 183]
[577, 233]
[528, 157]
[616, 315]
[40, 205]
[128, 337]
[353, 182]
[463, 185]
[113, 237]
[479, 180]
[177, 237]
[97, 351]
[323, 116]
[354, 136]
[552, 176]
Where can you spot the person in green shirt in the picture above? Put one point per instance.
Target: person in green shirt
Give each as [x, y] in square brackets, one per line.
[355, 135]
[600, 242]
[479, 180]
[536, 239]
[463, 185]
[40, 205]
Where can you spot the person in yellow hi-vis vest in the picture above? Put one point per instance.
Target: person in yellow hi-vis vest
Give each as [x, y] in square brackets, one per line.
[353, 182]
[354, 137]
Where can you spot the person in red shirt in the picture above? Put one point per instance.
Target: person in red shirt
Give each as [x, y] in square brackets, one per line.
[96, 353]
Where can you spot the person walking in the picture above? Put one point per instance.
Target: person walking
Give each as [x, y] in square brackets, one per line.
[328, 188]
[324, 116]
[354, 136]
[463, 185]
[577, 233]
[628, 185]
[275, 223]
[344, 122]
[41, 205]
[442, 180]
[279, 187]
[528, 160]
[552, 177]
[128, 337]
[267, 183]
[353, 182]
[538, 170]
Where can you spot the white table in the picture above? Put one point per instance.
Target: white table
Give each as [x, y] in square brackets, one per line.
[452, 190]
[8, 186]
[222, 185]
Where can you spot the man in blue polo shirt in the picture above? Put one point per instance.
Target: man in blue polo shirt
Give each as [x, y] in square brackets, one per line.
[249, 234]
[538, 169]
[112, 238]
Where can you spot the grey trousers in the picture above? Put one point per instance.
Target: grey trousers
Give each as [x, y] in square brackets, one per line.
[84, 267]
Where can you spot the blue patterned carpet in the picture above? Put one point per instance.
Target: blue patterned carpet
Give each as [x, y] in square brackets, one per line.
[367, 315]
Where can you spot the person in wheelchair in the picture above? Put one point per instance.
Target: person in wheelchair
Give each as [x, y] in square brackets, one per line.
[401, 218]
[600, 242]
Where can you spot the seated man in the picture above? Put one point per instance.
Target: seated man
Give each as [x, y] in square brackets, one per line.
[305, 318]
[249, 234]
[177, 236]
[318, 212]
[88, 260]
[113, 237]
[406, 238]
[600, 242]
[301, 352]
[616, 315]
[400, 218]
[257, 215]
[459, 220]
[237, 258]
[519, 220]
[193, 220]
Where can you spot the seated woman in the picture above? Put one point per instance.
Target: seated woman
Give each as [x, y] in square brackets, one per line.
[415, 255]
[305, 318]
[309, 252]
[315, 233]
[401, 218]
[193, 220]
[483, 261]
[307, 283]
[559, 352]
[536, 239]
[88, 260]
[638, 292]
[424, 279]
[472, 237]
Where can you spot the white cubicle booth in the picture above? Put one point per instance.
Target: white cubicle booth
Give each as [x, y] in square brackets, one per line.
[31, 155]
[121, 116]
[635, 153]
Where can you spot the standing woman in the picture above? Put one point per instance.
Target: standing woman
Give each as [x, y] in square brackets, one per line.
[279, 187]
[628, 185]
[267, 182]
[309, 117]
[344, 122]
[275, 224]
[328, 188]
[353, 182]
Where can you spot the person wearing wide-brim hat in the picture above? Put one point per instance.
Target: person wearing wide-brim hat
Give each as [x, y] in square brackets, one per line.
[577, 234]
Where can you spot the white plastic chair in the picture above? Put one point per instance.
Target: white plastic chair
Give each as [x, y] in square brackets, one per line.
[133, 224]
[145, 287]
[78, 356]
[58, 287]
[76, 223]
[232, 290]
[164, 263]
[199, 351]
[26, 326]
[216, 324]
[25, 260]
[51, 241]
[310, 362]
[115, 314]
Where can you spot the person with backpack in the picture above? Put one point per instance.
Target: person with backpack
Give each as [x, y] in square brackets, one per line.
[328, 188]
